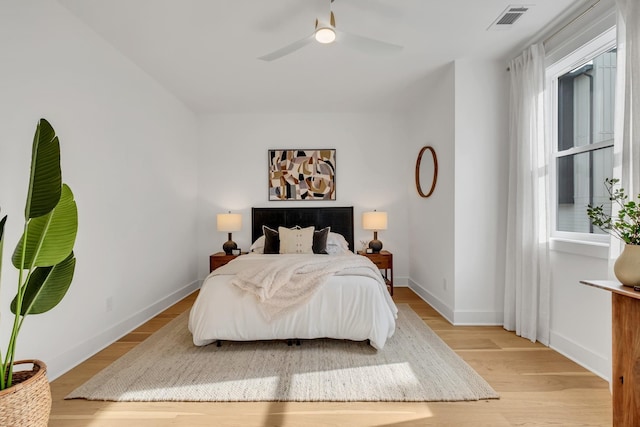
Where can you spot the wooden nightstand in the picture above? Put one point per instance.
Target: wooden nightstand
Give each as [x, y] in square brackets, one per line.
[219, 259]
[384, 261]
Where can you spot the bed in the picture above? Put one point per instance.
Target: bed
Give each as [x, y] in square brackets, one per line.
[342, 295]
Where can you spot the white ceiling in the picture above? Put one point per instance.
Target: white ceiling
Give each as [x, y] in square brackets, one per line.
[205, 51]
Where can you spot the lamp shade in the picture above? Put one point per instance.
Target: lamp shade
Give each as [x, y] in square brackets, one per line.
[229, 222]
[374, 220]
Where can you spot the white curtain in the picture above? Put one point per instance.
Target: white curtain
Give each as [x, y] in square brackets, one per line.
[627, 127]
[526, 299]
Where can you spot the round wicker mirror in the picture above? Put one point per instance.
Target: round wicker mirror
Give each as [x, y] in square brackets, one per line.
[435, 171]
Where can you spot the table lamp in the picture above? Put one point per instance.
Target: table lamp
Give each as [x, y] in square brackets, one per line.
[229, 222]
[374, 221]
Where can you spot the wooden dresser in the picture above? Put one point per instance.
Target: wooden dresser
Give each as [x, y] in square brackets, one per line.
[625, 372]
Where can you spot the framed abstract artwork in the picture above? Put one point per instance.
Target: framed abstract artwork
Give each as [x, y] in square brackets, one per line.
[302, 174]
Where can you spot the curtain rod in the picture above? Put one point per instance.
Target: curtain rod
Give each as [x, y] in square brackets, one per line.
[561, 29]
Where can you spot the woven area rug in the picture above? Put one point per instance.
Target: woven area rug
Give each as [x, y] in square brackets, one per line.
[414, 365]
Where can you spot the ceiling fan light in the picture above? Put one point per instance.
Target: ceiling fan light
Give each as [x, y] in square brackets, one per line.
[325, 35]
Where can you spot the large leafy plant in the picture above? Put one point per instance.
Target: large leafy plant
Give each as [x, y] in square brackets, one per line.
[625, 225]
[44, 254]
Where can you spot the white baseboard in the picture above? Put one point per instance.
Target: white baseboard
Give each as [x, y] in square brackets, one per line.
[596, 363]
[478, 318]
[432, 300]
[74, 356]
[457, 317]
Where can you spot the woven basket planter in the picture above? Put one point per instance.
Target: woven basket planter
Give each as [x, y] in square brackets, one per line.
[27, 403]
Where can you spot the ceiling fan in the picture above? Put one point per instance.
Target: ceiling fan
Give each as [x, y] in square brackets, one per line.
[326, 33]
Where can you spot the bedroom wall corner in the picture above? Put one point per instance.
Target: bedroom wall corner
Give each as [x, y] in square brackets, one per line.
[430, 121]
[128, 153]
[457, 259]
[436, 303]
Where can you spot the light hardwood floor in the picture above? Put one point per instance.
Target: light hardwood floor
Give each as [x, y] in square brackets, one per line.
[537, 387]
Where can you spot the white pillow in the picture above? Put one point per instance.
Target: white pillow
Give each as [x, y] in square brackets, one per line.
[336, 244]
[296, 241]
[336, 239]
[258, 245]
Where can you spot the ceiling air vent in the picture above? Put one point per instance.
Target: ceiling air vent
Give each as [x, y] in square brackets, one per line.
[508, 17]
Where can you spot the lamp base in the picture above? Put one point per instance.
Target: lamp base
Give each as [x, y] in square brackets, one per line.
[229, 246]
[375, 245]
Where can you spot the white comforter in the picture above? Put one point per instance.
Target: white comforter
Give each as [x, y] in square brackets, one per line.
[346, 306]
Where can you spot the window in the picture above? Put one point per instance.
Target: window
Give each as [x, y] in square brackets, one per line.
[583, 99]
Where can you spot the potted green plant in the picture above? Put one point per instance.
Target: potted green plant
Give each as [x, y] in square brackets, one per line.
[624, 225]
[46, 263]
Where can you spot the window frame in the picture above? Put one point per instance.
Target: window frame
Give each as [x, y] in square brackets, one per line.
[597, 46]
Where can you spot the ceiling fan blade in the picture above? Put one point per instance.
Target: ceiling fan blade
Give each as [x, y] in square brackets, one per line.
[288, 49]
[365, 44]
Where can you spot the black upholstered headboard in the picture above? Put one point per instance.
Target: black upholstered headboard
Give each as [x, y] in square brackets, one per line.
[340, 219]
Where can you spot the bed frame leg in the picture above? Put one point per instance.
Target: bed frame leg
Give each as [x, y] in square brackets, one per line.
[297, 342]
[218, 343]
[289, 343]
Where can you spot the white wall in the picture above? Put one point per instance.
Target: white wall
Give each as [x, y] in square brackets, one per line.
[457, 238]
[481, 185]
[580, 315]
[431, 220]
[129, 155]
[371, 172]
